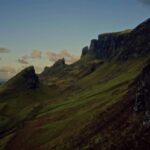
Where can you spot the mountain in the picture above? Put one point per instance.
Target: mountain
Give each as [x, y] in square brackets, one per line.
[25, 79]
[123, 45]
[99, 102]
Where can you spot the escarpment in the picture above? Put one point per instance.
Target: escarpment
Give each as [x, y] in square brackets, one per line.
[122, 45]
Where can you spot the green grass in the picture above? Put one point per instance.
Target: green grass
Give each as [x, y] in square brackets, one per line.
[55, 116]
[83, 106]
[3, 142]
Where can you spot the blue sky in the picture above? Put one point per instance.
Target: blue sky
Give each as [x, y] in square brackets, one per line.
[56, 25]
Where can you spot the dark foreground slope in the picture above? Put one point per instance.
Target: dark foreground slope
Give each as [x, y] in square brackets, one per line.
[94, 103]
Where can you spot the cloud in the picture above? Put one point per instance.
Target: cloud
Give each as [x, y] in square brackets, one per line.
[69, 57]
[8, 69]
[4, 50]
[146, 2]
[7, 72]
[25, 57]
[36, 54]
[23, 61]
[53, 56]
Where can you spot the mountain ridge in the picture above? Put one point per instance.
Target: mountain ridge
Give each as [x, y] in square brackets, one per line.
[108, 45]
[93, 103]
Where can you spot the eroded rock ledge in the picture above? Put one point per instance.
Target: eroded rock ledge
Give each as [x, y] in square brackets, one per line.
[142, 100]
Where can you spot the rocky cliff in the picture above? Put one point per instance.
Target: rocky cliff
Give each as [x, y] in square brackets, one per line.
[27, 79]
[57, 67]
[142, 100]
[121, 45]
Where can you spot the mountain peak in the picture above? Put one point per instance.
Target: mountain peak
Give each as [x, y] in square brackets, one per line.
[60, 62]
[27, 78]
[144, 24]
[58, 66]
[85, 51]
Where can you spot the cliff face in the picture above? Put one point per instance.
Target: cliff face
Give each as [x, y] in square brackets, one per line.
[137, 44]
[27, 79]
[142, 102]
[107, 44]
[123, 45]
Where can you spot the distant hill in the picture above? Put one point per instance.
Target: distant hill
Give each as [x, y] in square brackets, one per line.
[100, 102]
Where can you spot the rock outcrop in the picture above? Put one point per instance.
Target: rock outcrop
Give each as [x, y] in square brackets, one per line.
[84, 51]
[106, 45]
[142, 102]
[27, 79]
[121, 45]
[60, 63]
[57, 67]
[137, 43]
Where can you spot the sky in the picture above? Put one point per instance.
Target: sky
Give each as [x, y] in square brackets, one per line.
[38, 32]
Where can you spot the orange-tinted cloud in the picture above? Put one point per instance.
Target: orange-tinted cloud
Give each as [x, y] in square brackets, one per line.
[37, 54]
[8, 69]
[69, 57]
[7, 72]
[4, 50]
[22, 61]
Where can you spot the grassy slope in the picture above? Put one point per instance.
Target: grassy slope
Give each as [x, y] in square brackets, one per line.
[21, 106]
[66, 122]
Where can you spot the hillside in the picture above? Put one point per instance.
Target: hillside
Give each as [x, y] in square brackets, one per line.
[99, 102]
